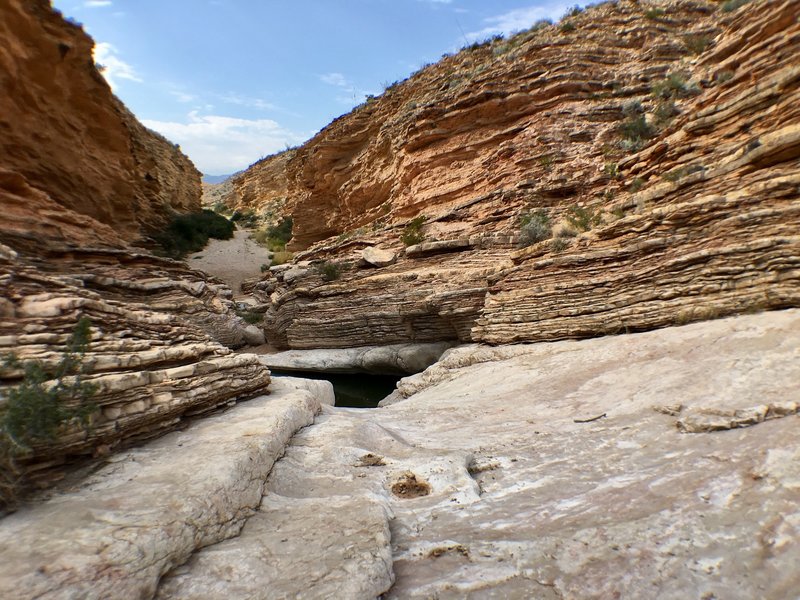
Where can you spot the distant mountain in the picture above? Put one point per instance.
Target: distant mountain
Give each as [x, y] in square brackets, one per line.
[215, 178]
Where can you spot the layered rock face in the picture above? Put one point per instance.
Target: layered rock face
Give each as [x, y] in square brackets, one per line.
[660, 144]
[660, 464]
[263, 188]
[79, 179]
[65, 132]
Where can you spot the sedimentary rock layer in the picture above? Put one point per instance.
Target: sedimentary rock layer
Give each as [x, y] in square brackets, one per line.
[155, 353]
[152, 507]
[79, 179]
[65, 132]
[661, 141]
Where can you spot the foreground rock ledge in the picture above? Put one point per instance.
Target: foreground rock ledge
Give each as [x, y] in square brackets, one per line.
[660, 464]
[151, 508]
[561, 470]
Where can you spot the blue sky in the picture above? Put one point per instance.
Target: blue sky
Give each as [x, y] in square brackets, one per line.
[232, 81]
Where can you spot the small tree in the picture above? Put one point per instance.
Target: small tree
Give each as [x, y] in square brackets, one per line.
[412, 234]
[34, 411]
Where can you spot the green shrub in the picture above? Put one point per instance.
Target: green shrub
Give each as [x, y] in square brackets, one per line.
[276, 236]
[611, 169]
[567, 26]
[280, 257]
[412, 234]
[636, 184]
[654, 13]
[696, 44]
[247, 218]
[559, 244]
[582, 218]
[664, 112]
[248, 316]
[190, 233]
[330, 271]
[675, 85]
[534, 227]
[635, 131]
[732, 5]
[37, 409]
[723, 76]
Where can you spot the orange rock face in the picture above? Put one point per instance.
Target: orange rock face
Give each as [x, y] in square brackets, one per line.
[80, 180]
[64, 131]
[659, 148]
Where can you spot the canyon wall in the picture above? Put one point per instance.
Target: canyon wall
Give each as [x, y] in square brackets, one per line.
[65, 132]
[80, 180]
[659, 143]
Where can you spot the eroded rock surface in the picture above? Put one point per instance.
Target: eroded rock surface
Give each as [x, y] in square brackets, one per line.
[559, 470]
[390, 359]
[150, 508]
[66, 133]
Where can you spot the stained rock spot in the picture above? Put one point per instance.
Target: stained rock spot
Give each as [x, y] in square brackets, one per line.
[408, 486]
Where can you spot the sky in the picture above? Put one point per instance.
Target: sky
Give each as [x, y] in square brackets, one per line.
[232, 81]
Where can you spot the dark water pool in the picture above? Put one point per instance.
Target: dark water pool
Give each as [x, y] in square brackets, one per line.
[357, 390]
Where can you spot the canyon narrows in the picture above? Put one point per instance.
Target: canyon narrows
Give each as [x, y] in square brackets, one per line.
[581, 246]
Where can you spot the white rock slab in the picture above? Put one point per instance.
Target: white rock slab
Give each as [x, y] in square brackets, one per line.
[400, 359]
[561, 470]
[152, 507]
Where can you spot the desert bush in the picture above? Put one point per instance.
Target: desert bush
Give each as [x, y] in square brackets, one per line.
[412, 234]
[635, 131]
[723, 76]
[190, 233]
[664, 112]
[582, 218]
[567, 26]
[654, 13]
[47, 400]
[732, 5]
[696, 44]
[280, 257]
[534, 227]
[245, 218]
[330, 271]
[559, 244]
[275, 236]
[636, 184]
[674, 85]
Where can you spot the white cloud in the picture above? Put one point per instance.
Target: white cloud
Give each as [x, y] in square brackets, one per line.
[336, 79]
[258, 103]
[182, 96]
[519, 19]
[96, 3]
[220, 145]
[114, 67]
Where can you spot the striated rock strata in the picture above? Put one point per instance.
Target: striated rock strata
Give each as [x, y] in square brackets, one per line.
[669, 132]
[80, 178]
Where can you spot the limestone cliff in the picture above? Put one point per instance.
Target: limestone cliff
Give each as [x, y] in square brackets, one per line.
[65, 132]
[80, 179]
[263, 188]
[660, 144]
